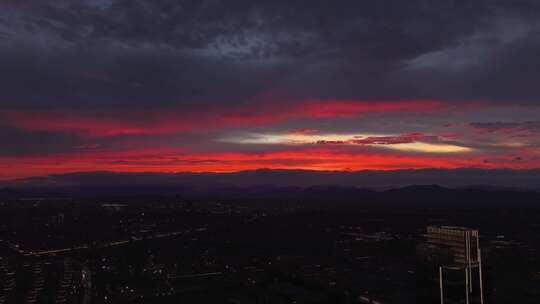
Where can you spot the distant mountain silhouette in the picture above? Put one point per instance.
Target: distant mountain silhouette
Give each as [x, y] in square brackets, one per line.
[374, 180]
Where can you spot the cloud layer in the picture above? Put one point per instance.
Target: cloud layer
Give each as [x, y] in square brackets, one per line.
[431, 83]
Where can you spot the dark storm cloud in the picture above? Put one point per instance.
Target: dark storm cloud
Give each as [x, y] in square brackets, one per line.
[504, 72]
[380, 29]
[93, 79]
[508, 127]
[151, 54]
[17, 142]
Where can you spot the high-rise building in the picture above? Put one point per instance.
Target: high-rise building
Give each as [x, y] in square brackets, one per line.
[449, 267]
[8, 281]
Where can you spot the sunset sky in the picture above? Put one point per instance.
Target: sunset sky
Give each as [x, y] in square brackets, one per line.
[223, 86]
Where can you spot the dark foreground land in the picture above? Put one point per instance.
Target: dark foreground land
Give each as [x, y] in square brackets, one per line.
[256, 245]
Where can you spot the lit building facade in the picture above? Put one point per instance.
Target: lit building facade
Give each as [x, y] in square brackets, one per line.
[450, 266]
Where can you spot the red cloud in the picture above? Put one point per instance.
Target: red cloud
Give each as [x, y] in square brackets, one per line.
[304, 131]
[350, 108]
[385, 140]
[391, 140]
[167, 160]
[173, 121]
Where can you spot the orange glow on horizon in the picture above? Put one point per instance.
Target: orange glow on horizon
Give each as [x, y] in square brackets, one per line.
[169, 161]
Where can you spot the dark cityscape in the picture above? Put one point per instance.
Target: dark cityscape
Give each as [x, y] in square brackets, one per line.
[270, 151]
[251, 245]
